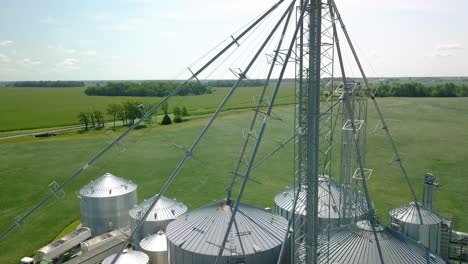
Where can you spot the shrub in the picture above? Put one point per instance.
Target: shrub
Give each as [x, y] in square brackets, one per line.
[178, 119]
[166, 120]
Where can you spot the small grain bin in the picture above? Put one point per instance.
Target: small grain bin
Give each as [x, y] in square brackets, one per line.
[406, 220]
[105, 202]
[128, 257]
[165, 211]
[155, 246]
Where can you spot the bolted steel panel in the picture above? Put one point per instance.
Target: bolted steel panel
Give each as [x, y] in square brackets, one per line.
[162, 214]
[155, 246]
[329, 203]
[355, 244]
[105, 202]
[255, 237]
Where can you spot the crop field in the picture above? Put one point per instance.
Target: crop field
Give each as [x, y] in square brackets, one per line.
[30, 108]
[432, 132]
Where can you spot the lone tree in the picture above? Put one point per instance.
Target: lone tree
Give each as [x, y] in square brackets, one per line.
[166, 119]
[84, 119]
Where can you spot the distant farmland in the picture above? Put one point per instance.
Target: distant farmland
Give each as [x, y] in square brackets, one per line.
[30, 108]
[431, 131]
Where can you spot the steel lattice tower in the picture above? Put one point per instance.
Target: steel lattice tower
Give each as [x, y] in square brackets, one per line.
[307, 129]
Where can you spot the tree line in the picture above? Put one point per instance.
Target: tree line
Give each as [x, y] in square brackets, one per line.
[415, 89]
[128, 111]
[162, 88]
[230, 83]
[54, 84]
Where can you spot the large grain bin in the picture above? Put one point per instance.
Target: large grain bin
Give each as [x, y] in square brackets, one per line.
[128, 257]
[355, 244]
[165, 211]
[406, 220]
[330, 208]
[155, 246]
[255, 237]
[105, 203]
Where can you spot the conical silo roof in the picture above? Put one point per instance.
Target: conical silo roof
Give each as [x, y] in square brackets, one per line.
[329, 200]
[202, 230]
[355, 244]
[409, 214]
[165, 209]
[154, 243]
[107, 185]
[128, 257]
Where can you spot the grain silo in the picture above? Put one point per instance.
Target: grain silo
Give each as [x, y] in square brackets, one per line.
[155, 246]
[406, 220]
[105, 202]
[128, 257]
[165, 211]
[355, 244]
[329, 203]
[255, 237]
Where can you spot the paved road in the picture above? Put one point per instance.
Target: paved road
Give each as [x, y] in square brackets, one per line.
[56, 130]
[41, 132]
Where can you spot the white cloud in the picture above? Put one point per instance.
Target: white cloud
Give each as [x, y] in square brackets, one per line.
[447, 50]
[5, 43]
[446, 47]
[29, 62]
[68, 63]
[89, 53]
[4, 58]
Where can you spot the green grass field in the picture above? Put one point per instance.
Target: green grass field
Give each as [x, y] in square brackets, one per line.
[30, 108]
[432, 131]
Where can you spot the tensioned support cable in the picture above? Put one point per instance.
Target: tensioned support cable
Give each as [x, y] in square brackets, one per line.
[379, 112]
[125, 133]
[259, 139]
[259, 104]
[198, 139]
[349, 111]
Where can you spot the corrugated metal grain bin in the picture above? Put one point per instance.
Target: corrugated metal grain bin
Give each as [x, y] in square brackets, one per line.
[165, 211]
[155, 246]
[329, 203]
[355, 244]
[255, 237]
[406, 220]
[128, 257]
[105, 203]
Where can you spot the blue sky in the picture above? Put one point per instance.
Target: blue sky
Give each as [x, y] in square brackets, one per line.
[143, 39]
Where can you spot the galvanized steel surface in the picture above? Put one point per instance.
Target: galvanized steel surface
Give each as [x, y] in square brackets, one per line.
[128, 257]
[255, 237]
[105, 203]
[62, 245]
[108, 185]
[409, 214]
[162, 214]
[329, 201]
[406, 220]
[165, 209]
[155, 246]
[355, 244]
